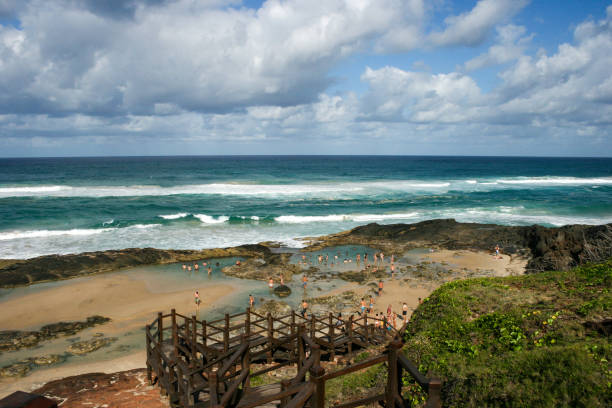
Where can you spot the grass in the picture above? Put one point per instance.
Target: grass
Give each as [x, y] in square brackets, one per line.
[524, 341]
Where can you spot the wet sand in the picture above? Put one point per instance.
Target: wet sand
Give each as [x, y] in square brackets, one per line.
[127, 301]
[123, 299]
[399, 290]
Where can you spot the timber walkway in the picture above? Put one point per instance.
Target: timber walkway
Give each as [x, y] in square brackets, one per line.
[208, 364]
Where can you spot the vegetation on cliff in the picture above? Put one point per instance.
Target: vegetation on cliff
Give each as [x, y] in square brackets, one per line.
[536, 340]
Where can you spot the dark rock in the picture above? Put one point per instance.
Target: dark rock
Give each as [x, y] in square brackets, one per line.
[87, 346]
[48, 360]
[23, 368]
[15, 340]
[274, 307]
[56, 267]
[282, 291]
[547, 248]
[123, 389]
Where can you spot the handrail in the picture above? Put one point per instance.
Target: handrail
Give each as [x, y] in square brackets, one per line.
[414, 372]
[183, 353]
[356, 367]
[361, 402]
[232, 360]
[230, 393]
[290, 391]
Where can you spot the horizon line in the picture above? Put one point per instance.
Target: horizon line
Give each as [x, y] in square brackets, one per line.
[302, 155]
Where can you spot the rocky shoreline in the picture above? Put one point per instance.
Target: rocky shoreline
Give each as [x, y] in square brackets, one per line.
[546, 248]
[11, 340]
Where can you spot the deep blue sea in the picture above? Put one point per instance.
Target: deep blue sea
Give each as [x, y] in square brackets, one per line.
[70, 205]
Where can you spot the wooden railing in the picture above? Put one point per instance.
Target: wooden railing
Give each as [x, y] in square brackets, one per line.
[209, 363]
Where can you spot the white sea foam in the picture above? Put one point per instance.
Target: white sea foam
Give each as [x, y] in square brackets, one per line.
[338, 189]
[32, 190]
[27, 244]
[207, 219]
[6, 236]
[302, 219]
[75, 232]
[174, 216]
[557, 181]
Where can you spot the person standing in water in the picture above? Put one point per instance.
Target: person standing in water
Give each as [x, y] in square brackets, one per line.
[197, 299]
[304, 310]
[251, 301]
[304, 281]
[271, 283]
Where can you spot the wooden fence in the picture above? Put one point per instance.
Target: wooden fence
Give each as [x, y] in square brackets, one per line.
[208, 364]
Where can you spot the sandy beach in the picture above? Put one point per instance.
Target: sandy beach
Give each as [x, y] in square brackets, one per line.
[127, 301]
[124, 300]
[399, 290]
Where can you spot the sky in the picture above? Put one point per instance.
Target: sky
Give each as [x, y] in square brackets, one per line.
[209, 77]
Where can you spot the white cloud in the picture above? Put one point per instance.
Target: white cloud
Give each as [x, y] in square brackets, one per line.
[400, 95]
[511, 44]
[195, 55]
[472, 28]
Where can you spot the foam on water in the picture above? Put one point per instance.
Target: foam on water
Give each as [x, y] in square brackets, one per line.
[174, 216]
[345, 189]
[207, 219]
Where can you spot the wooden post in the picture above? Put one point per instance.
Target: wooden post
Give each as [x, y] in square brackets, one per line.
[214, 388]
[285, 400]
[434, 400]
[270, 338]
[204, 335]
[332, 351]
[292, 321]
[186, 331]
[312, 327]
[349, 333]
[160, 328]
[246, 365]
[226, 333]
[247, 323]
[194, 338]
[392, 378]
[149, 354]
[174, 332]
[316, 374]
[300, 346]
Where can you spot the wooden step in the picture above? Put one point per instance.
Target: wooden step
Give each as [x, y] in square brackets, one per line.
[257, 393]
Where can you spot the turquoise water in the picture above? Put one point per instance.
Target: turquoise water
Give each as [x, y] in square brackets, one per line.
[70, 205]
[162, 279]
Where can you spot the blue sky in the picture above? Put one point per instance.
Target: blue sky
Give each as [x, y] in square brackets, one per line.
[155, 77]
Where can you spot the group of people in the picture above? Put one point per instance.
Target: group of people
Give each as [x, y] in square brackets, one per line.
[379, 259]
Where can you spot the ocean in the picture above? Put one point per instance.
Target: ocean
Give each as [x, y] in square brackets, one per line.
[72, 205]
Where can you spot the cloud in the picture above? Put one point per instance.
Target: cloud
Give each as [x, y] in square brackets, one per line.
[399, 95]
[93, 58]
[511, 44]
[473, 28]
[189, 73]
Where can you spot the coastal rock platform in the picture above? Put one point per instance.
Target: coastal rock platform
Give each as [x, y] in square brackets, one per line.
[126, 389]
